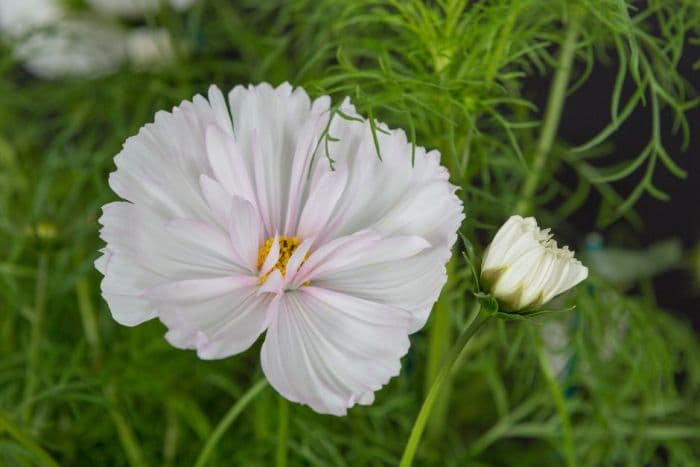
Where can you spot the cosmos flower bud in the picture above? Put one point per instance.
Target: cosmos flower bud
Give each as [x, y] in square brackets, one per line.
[524, 268]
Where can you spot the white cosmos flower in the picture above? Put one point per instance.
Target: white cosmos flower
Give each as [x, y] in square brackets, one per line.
[235, 225]
[54, 42]
[136, 8]
[149, 48]
[524, 268]
[73, 47]
[19, 16]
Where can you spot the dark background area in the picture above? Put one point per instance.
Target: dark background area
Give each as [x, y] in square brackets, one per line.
[586, 112]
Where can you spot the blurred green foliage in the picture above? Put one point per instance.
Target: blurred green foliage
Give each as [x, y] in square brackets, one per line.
[78, 389]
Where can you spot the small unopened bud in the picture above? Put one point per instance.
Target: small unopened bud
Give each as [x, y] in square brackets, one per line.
[523, 268]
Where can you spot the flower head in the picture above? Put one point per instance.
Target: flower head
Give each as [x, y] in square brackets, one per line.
[524, 268]
[235, 225]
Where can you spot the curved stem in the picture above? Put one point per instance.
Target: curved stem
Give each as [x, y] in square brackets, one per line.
[37, 330]
[440, 335]
[555, 104]
[228, 419]
[555, 390]
[40, 455]
[419, 425]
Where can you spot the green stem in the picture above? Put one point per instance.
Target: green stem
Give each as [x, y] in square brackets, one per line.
[419, 425]
[282, 431]
[40, 455]
[88, 317]
[127, 438]
[559, 403]
[36, 335]
[440, 336]
[555, 104]
[228, 419]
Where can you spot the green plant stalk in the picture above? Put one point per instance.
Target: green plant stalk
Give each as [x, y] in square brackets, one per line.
[439, 338]
[229, 418]
[36, 335]
[560, 404]
[130, 444]
[87, 316]
[282, 431]
[261, 417]
[555, 104]
[503, 39]
[423, 415]
[29, 444]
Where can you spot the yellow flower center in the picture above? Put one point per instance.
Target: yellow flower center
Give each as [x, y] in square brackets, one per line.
[287, 247]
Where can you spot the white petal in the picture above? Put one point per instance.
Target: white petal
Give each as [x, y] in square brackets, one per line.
[272, 257]
[238, 331]
[245, 232]
[160, 168]
[321, 203]
[102, 262]
[298, 257]
[397, 204]
[218, 199]
[273, 284]
[217, 326]
[123, 286]
[220, 108]
[572, 273]
[160, 246]
[361, 249]
[412, 283]
[227, 163]
[517, 275]
[328, 350]
[342, 249]
[194, 290]
[204, 243]
[267, 126]
[504, 239]
[303, 156]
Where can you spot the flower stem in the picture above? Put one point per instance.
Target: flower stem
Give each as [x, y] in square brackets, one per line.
[37, 331]
[282, 431]
[555, 104]
[555, 389]
[419, 425]
[440, 336]
[228, 419]
[29, 445]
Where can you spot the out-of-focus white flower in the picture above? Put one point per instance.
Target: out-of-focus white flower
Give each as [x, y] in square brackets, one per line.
[149, 48]
[54, 42]
[235, 224]
[524, 268]
[136, 8]
[72, 47]
[17, 17]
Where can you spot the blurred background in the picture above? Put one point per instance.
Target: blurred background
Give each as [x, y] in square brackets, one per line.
[473, 79]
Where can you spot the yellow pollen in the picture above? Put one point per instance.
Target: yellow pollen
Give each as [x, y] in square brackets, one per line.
[287, 247]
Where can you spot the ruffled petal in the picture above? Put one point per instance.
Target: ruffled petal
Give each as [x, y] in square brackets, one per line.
[330, 351]
[218, 323]
[245, 232]
[270, 128]
[409, 198]
[412, 284]
[228, 165]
